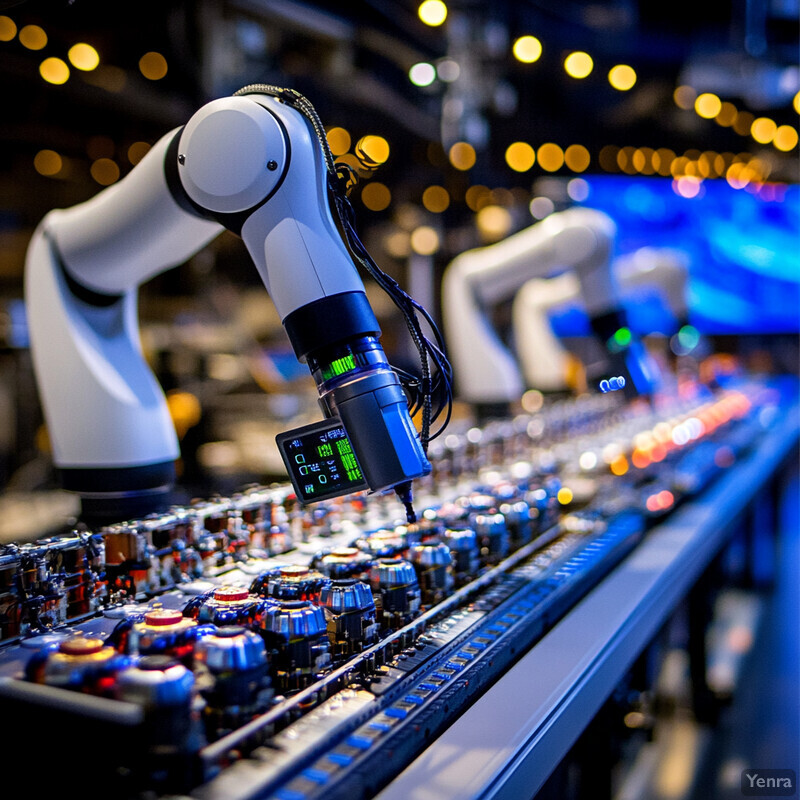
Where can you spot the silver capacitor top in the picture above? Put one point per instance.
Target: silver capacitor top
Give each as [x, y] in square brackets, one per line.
[156, 681]
[231, 649]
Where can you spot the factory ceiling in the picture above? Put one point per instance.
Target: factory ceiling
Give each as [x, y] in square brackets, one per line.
[356, 63]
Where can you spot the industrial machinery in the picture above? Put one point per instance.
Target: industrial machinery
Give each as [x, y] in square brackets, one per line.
[246, 646]
[305, 640]
[544, 360]
[257, 164]
[580, 240]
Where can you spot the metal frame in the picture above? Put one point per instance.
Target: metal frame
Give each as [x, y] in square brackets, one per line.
[508, 743]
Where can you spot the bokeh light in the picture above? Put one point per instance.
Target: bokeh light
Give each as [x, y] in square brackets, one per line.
[577, 158]
[376, 196]
[551, 157]
[494, 222]
[33, 37]
[8, 29]
[84, 57]
[527, 49]
[622, 77]
[422, 74]
[707, 105]
[105, 171]
[54, 70]
[153, 66]
[578, 64]
[137, 151]
[520, 156]
[436, 199]
[338, 140]
[425, 240]
[48, 163]
[432, 12]
[372, 150]
[785, 138]
[763, 130]
[684, 97]
[462, 156]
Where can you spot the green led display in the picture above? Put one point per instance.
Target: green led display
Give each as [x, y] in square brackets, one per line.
[339, 366]
[324, 450]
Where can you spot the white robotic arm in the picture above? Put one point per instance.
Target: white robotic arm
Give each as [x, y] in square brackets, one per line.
[579, 240]
[543, 357]
[253, 164]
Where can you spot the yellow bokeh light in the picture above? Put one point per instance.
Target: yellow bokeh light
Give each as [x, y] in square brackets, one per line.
[785, 138]
[622, 77]
[619, 466]
[8, 29]
[153, 66]
[54, 70]
[376, 196]
[476, 197]
[48, 162]
[565, 495]
[398, 244]
[33, 37]
[662, 160]
[424, 240]
[432, 12]
[527, 49]
[137, 151]
[578, 64]
[372, 150]
[643, 160]
[727, 114]
[707, 105]
[763, 130]
[577, 158]
[338, 140]
[105, 171]
[520, 156]
[84, 57]
[494, 222]
[551, 157]
[684, 97]
[796, 102]
[462, 156]
[436, 199]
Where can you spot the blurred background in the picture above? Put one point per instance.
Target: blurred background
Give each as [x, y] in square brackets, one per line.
[464, 122]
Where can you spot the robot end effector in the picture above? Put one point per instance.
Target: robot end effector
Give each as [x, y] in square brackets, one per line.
[256, 164]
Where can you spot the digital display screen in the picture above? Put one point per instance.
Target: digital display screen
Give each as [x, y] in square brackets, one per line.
[320, 461]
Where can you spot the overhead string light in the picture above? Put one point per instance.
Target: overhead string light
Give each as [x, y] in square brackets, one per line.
[431, 392]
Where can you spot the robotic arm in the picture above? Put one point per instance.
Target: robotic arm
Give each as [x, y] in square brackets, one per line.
[253, 164]
[543, 358]
[580, 240]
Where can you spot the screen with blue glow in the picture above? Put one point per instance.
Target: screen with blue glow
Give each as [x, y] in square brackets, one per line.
[743, 252]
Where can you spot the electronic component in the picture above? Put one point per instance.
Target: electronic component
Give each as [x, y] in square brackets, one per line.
[211, 686]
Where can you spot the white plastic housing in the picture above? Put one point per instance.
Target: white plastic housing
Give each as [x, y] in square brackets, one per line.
[543, 358]
[579, 239]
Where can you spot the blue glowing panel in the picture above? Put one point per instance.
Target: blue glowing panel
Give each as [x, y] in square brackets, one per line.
[743, 250]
